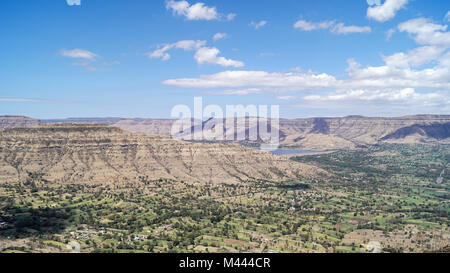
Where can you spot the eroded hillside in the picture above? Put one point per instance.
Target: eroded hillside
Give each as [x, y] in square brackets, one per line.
[17, 121]
[309, 133]
[95, 153]
[326, 133]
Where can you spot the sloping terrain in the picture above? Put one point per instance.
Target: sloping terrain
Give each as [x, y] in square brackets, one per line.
[95, 153]
[323, 133]
[435, 130]
[355, 131]
[308, 133]
[17, 121]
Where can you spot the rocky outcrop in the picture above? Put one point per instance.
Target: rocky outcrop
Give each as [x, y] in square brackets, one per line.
[309, 133]
[95, 153]
[322, 133]
[17, 121]
[149, 126]
[436, 131]
[357, 131]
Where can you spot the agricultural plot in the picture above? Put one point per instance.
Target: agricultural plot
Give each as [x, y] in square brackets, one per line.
[382, 197]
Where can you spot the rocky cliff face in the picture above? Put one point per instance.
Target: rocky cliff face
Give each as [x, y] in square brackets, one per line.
[149, 126]
[93, 153]
[17, 121]
[325, 133]
[436, 131]
[350, 132]
[310, 133]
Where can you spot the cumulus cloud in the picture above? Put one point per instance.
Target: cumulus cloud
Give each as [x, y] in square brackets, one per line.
[378, 102]
[285, 97]
[187, 45]
[237, 79]
[414, 58]
[387, 11]
[332, 26]
[78, 54]
[447, 16]
[198, 11]
[73, 2]
[402, 95]
[219, 36]
[426, 32]
[203, 54]
[208, 55]
[417, 79]
[398, 72]
[257, 25]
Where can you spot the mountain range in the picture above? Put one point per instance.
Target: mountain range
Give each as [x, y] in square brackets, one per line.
[98, 153]
[322, 133]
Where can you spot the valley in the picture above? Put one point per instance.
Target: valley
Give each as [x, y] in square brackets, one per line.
[319, 133]
[109, 190]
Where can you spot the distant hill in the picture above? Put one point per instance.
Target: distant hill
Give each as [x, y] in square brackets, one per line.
[436, 131]
[306, 133]
[17, 121]
[325, 133]
[108, 121]
[97, 153]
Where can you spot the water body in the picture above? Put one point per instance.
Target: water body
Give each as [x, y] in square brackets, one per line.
[295, 152]
[440, 178]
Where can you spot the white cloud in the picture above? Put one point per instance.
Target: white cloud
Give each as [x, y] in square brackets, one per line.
[332, 26]
[390, 33]
[387, 11]
[203, 54]
[398, 72]
[402, 95]
[230, 16]
[343, 29]
[78, 54]
[426, 32]
[187, 45]
[73, 2]
[219, 36]
[258, 25]
[285, 97]
[374, 2]
[198, 11]
[417, 80]
[208, 55]
[308, 26]
[95, 66]
[379, 102]
[391, 83]
[395, 81]
[87, 59]
[237, 79]
[238, 92]
[447, 16]
[414, 58]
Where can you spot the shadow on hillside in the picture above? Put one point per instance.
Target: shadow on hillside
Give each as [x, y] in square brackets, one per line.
[22, 222]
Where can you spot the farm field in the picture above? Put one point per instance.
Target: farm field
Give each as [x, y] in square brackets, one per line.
[377, 199]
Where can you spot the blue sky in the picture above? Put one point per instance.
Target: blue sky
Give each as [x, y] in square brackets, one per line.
[139, 58]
